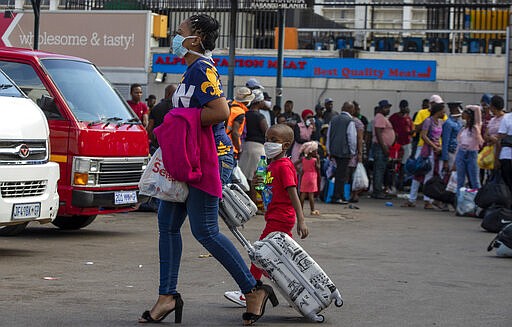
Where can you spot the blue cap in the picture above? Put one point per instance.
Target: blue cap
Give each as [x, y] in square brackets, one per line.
[384, 103]
[253, 83]
[486, 98]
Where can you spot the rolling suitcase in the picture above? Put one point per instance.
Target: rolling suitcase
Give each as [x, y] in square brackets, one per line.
[236, 208]
[297, 276]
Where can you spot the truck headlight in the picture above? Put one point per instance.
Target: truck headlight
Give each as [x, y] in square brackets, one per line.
[82, 165]
[85, 171]
[145, 164]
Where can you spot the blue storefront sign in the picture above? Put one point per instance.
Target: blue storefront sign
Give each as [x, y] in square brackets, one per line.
[377, 69]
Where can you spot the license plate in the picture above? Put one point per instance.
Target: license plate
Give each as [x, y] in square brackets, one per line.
[128, 197]
[26, 210]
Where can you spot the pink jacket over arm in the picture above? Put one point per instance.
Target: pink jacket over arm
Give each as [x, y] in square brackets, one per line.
[188, 150]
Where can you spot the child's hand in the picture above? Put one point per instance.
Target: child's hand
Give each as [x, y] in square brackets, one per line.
[302, 230]
[257, 180]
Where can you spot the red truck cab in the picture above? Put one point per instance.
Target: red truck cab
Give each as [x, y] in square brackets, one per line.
[95, 137]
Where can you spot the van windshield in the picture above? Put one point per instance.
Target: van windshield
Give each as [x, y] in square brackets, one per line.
[88, 94]
[7, 88]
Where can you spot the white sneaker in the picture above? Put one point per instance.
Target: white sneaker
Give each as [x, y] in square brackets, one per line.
[236, 297]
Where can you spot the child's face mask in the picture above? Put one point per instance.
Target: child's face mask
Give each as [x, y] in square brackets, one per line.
[272, 149]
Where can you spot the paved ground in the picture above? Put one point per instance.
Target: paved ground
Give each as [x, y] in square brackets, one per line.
[394, 266]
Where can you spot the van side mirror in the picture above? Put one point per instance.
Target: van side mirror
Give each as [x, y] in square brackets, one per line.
[47, 104]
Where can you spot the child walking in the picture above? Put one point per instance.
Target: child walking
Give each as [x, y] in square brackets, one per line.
[284, 208]
[309, 175]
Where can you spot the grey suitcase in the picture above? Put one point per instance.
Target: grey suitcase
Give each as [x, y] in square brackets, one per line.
[236, 208]
[297, 276]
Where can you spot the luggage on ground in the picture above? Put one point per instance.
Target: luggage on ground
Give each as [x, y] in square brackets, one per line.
[466, 202]
[495, 191]
[435, 188]
[502, 242]
[297, 276]
[496, 218]
[236, 208]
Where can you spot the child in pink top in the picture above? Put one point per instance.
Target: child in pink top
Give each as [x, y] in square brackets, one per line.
[310, 172]
[469, 142]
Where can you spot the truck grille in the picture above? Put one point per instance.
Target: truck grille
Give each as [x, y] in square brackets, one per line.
[22, 189]
[120, 172]
[13, 151]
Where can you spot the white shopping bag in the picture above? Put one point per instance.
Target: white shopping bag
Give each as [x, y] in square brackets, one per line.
[240, 179]
[360, 178]
[452, 183]
[156, 182]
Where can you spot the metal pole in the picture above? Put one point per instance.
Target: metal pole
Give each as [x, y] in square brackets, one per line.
[36, 6]
[232, 47]
[280, 48]
[506, 92]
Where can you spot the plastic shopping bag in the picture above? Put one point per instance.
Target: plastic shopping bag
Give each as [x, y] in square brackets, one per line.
[360, 178]
[485, 157]
[452, 183]
[240, 179]
[158, 183]
[466, 202]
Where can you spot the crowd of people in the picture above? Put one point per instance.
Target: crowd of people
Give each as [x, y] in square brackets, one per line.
[314, 155]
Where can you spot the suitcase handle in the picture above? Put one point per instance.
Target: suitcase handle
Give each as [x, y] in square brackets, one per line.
[245, 243]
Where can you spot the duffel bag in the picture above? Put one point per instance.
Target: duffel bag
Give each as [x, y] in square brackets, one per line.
[435, 188]
[495, 191]
[418, 166]
[496, 218]
[502, 242]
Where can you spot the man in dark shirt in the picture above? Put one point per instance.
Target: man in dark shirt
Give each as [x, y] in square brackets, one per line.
[292, 118]
[329, 110]
[157, 114]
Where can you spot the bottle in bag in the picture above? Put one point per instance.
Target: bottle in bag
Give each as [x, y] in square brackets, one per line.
[261, 170]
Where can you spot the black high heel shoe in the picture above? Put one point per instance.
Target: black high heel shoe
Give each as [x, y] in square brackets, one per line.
[250, 318]
[178, 307]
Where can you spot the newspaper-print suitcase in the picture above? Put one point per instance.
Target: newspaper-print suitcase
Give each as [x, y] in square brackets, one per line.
[297, 276]
[236, 208]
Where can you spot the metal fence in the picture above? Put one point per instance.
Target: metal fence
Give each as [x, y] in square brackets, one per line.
[256, 28]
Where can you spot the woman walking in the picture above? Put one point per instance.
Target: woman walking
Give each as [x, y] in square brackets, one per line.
[431, 134]
[200, 87]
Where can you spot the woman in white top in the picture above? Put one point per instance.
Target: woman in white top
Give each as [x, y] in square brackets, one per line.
[504, 148]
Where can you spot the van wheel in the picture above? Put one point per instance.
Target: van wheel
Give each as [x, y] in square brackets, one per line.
[73, 222]
[12, 230]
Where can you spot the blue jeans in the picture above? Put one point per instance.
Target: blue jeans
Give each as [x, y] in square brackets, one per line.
[466, 165]
[379, 168]
[226, 166]
[202, 209]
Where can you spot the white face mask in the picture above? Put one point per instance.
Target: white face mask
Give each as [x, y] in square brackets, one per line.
[272, 149]
[268, 104]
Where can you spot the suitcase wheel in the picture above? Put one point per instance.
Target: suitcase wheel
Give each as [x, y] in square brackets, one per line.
[319, 318]
[338, 302]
